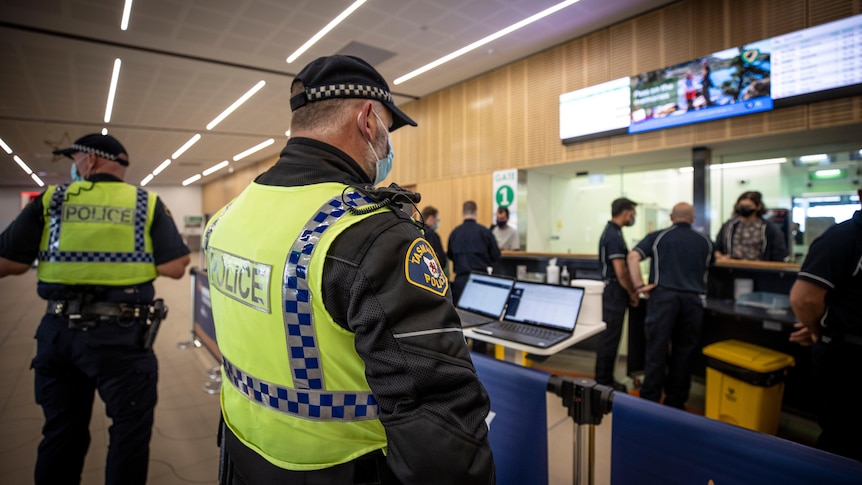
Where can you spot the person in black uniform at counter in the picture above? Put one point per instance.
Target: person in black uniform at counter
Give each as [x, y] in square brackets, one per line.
[825, 298]
[367, 283]
[471, 248]
[680, 260]
[100, 243]
[619, 292]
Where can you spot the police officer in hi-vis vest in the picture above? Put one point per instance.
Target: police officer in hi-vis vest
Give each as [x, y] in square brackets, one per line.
[100, 243]
[344, 360]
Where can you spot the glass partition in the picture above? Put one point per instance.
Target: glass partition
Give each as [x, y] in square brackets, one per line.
[805, 192]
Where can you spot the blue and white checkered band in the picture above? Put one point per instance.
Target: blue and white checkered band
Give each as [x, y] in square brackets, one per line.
[348, 90]
[53, 254]
[98, 153]
[298, 315]
[304, 403]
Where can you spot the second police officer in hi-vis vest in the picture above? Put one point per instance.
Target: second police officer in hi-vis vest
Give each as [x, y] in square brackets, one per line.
[100, 243]
[344, 360]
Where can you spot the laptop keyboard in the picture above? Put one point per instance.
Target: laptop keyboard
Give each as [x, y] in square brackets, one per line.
[543, 333]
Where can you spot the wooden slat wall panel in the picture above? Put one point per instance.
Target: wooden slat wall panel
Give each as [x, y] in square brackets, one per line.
[495, 148]
[602, 62]
[676, 32]
[794, 118]
[517, 136]
[823, 11]
[748, 125]
[574, 65]
[648, 45]
[542, 123]
[677, 137]
[834, 112]
[710, 31]
[784, 16]
[473, 130]
[747, 21]
[509, 117]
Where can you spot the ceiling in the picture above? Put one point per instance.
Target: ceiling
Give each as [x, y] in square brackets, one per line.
[184, 62]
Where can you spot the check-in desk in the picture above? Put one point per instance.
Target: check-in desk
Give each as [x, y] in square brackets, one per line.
[771, 328]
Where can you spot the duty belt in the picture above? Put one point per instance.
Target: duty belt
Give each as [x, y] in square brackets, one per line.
[85, 315]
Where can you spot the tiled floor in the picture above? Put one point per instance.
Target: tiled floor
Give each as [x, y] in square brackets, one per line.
[183, 448]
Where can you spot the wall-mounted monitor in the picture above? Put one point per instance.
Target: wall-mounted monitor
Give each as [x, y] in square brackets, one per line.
[732, 82]
[818, 63]
[821, 62]
[597, 111]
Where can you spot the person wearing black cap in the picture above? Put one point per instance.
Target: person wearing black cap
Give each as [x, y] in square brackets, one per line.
[100, 244]
[344, 360]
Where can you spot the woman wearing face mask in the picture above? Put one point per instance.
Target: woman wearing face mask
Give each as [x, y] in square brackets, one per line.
[747, 235]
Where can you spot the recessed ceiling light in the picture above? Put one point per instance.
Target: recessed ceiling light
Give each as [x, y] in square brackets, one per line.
[127, 12]
[187, 145]
[236, 104]
[147, 180]
[258, 147]
[215, 168]
[331, 25]
[192, 179]
[112, 90]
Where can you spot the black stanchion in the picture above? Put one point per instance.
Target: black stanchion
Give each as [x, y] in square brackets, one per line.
[587, 402]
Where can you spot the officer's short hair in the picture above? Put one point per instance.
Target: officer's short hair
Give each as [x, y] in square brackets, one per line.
[470, 207]
[621, 205]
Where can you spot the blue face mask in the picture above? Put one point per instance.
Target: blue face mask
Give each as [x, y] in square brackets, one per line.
[76, 177]
[384, 165]
[436, 225]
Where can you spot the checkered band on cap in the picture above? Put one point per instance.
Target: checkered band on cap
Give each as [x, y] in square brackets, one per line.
[98, 153]
[348, 90]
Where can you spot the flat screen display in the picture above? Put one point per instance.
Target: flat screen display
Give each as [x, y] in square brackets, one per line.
[821, 62]
[820, 58]
[601, 109]
[732, 82]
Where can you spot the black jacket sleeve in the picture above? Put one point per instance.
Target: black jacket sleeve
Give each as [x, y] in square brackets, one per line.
[432, 405]
[20, 241]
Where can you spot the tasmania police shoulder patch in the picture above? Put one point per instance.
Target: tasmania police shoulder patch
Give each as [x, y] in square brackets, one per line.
[423, 270]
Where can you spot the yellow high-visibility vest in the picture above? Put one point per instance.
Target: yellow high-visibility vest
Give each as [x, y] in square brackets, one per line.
[294, 387]
[97, 234]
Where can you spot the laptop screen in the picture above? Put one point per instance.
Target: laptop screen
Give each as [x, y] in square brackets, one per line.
[485, 294]
[546, 305]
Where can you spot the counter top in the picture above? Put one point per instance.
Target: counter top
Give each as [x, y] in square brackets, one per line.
[757, 265]
[583, 331]
[729, 307]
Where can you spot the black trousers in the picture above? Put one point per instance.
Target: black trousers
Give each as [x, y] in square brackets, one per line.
[70, 366]
[672, 330]
[836, 364]
[615, 301]
[240, 465]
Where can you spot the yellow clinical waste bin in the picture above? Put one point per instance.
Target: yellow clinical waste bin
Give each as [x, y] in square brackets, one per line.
[745, 384]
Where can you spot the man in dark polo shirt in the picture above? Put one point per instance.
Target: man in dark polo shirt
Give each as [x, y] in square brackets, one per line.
[471, 247]
[680, 260]
[619, 292]
[825, 299]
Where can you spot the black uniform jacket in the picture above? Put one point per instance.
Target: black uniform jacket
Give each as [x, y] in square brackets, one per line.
[432, 404]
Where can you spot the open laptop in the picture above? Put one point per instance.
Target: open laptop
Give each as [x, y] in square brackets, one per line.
[538, 314]
[484, 299]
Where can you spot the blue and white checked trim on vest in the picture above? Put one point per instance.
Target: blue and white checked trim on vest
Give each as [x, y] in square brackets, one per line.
[298, 315]
[54, 255]
[304, 403]
[348, 90]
